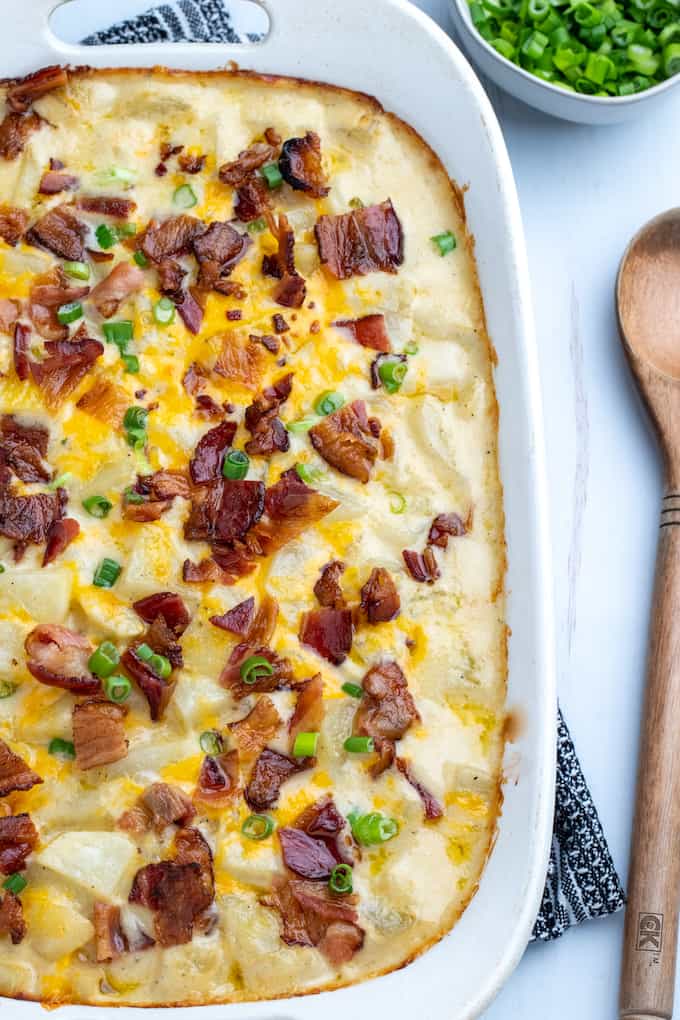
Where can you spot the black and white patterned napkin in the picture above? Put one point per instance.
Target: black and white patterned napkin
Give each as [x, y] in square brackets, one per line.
[582, 881]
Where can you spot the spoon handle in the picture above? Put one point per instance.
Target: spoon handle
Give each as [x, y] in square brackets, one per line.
[650, 937]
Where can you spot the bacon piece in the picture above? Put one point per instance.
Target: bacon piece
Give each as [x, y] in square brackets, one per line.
[191, 164]
[145, 513]
[170, 278]
[282, 677]
[177, 894]
[262, 420]
[233, 564]
[369, 331]
[236, 172]
[61, 232]
[329, 632]
[431, 806]
[306, 856]
[252, 200]
[191, 847]
[269, 773]
[48, 292]
[291, 291]
[155, 689]
[218, 780]
[22, 364]
[264, 623]
[13, 223]
[109, 940]
[58, 657]
[255, 730]
[311, 915]
[24, 91]
[191, 312]
[238, 619]
[300, 165]
[166, 604]
[23, 448]
[12, 921]
[171, 237]
[18, 839]
[59, 537]
[362, 241]
[224, 511]
[279, 323]
[309, 711]
[323, 821]
[105, 401]
[10, 310]
[100, 256]
[345, 441]
[221, 246]
[15, 774]
[123, 281]
[291, 507]
[443, 526]
[379, 597]
[206, 463]
[167, 805]
[386, 710]
[422, 566]
[53, 183]
[15, 131]
[164, 485]
[107, 205]
[67, 363]
[327, 589]
[240, 360]
[195, 378]
[98, 733]
[29, 518]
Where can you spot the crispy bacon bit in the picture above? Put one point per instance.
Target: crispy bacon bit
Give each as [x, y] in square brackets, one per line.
[48, 292]
[98, 733]
[109, 940]
[105, 401]
[369, 331]
[237, 620]
[61, 232]
[15, 131]
[422, 566]
[218, 780]
[206, 463]
[191, 164]
[156, 690]
[309, 710]
[291, 507]
[234, 314]
[306, 856]
[443, 526]
[13, 223]
[53, 183]
[272, 136]
[178, 893]
[18, 839]
[269, 773]
[23, 449]
[207, 407]
[60, 535]
[24, 91]
[56, 164]
[68, 362]
[290, 292]
[224, 511]
[12, 921]
[329, 632]
[269, 342]
[166, 604]
[322, 820]
[300, 165]
[123, 281]
[327, 589]
[99, 256]
[195, 378]
[107, 205]
[10, 310]
[362, 241]
[15, 774]
[165, 485]
[240, 360]
[221, 246]
[282, 677]
[192, 848]
[225, 567]
[173, 236]
[255, 730]
[279, 323]
[385, 711]
[346, 441]
[58, 657]
[311, 915]
[27, 519]
[379, 597]
[21, 340]
[264, 623]
[262, 420]
[159, 805]
[170, 278]
[432, 807]
[252, 200]
[191, 312]
[236, 172]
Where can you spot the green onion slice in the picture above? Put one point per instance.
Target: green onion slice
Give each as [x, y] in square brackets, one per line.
[7, 688]
[257, 226]
[131, 496]
[392, 372]
[354, 690]
[235, 465]
[254, 668]
[144, 652]
[104, 660]
[141, 259]
[309, 475]
[373, 828]
[15, 883]
[61, 481]
[106, 574]
[70, 312]
[185, 197]
[359, 745]
[411, 347]
[303, 424]
[211, 742]
[446, 242]
[119, 333]
[2, 568]
[164, 311]
[159, 665]
[328, 402]
[258, 827]
[272, 175]
[117, 688]
[115, 175]
[62, 747]
[305, 745]
[397, 503]
[131, 363]
[106, 236]
[340, 881]
[78, 270]
[98, 506]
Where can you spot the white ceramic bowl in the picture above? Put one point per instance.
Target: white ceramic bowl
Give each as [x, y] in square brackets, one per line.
[541, 94]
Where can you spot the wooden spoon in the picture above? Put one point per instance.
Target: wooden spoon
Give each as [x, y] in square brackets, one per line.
[648, 301]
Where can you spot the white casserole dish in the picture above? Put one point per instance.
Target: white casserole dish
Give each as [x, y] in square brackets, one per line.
[394, 52]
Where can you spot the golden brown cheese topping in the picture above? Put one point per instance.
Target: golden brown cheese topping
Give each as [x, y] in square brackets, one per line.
[252, 637]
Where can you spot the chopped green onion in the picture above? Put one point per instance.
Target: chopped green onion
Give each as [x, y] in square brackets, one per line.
[211, 742]
[62, 747]
[141, 259]
[446, 242]
[117, 688]
[106, 574]
[134, 424]
[70, 312]
[309, 475]
[255, 668]
[503, 47]
[185, 197]
[125, 230]
[272, 175]
[104, 660]
[97, 506]
[258, 827]
[534, 45]
[392, 372]
[7, 688]
[642, 59]
[164, 311]
[78, 270]
[397, 503]
[131, 363]
[161, 666]
[340, 881]
[144, 652]
[235, 465]
[131, 496]
[354, 690]
[115, 175]
[411, 348]
[15, 883]
[257, 226]
[305, 745]
[303, 424]
[373, 828]
[60, 481]
[119, 333]
[671, 59]
[328, 402]
[359, 745]
[2, 568]
[106, 236]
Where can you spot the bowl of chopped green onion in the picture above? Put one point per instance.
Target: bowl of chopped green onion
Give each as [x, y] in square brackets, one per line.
[589, 61]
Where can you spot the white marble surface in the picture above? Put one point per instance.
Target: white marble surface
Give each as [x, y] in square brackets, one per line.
[583, 192]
